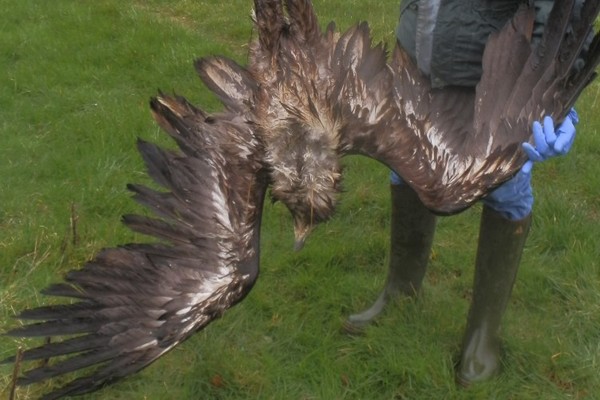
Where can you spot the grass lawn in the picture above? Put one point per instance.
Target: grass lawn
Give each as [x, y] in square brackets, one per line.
[75, 83]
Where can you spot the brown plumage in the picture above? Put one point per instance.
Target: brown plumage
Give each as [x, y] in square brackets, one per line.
[321, 96]
[469, 141]
[451, 145]
[138, 301]
[328, 95]
[306, 99]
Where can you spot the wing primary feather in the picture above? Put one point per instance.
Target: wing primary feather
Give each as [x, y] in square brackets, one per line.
[58, 327]
[542, 56]
[505, 55]
[67, 346]
[63, 290]
[135, 303]
[80, 309]
[573, 45]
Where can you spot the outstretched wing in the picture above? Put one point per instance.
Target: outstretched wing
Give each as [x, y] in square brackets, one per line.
[135, 303]
[454, 145]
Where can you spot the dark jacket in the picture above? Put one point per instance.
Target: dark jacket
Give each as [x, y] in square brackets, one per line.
[447, 41]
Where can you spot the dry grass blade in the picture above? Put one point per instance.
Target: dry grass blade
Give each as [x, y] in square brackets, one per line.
[15, 375]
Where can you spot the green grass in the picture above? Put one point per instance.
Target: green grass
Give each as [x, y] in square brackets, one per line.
[76, 78]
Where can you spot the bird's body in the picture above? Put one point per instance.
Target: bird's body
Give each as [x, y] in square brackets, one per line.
[305, 100]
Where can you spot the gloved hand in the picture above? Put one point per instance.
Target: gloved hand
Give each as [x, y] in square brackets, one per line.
[548, 142]
[514, 198]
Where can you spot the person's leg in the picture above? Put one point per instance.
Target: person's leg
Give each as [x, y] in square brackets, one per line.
[501, 243]
[505, 223]
[412, 230]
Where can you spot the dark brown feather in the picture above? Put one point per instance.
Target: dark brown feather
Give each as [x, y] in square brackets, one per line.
[455, 145]
[270, 22]
[136, 302]
[304, 25]
[233, 84]
[306, 99]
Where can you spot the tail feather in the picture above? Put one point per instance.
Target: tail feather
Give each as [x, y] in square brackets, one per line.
[270, 22]
[304, 24]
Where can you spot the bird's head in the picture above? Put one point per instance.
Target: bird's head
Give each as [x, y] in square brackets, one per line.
[311, 200]
[306, 176]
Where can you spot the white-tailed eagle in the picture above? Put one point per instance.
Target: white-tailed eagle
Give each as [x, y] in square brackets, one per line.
[305, 99]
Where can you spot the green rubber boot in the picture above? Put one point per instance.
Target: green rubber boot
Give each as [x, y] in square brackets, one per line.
[412, 230]
[501, 243]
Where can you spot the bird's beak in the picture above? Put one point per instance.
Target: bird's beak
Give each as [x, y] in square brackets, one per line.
[301, 232]
[298, 244]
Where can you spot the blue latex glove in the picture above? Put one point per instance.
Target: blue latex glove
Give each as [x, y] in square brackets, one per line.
[548, 142]
[514, 198]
